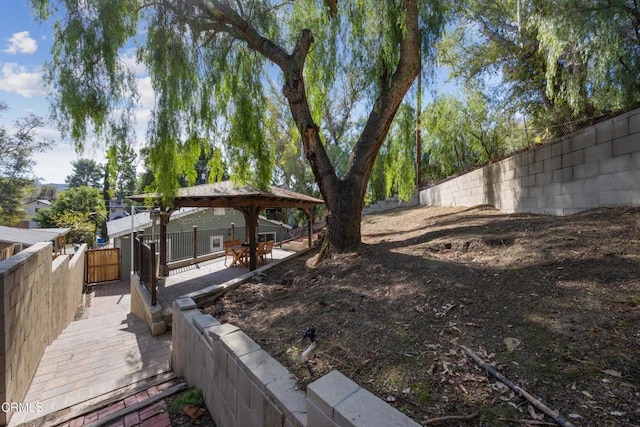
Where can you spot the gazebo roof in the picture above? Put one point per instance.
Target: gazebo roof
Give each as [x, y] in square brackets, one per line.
[226, 194]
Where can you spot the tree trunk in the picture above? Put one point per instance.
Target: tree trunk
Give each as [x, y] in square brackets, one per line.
[344, 204]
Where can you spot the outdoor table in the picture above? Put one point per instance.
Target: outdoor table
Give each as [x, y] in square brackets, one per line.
[239, 255]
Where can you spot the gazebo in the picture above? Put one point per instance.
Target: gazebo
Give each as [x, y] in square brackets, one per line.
[247, 199]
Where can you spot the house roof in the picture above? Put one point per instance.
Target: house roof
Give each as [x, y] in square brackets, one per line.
[141, 221]
[30, 237]
[41, 201]
[226, 194]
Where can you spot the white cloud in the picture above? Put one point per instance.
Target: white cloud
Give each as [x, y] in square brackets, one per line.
[21, 43]
[147, 95]
[18, 79]
[129, 59]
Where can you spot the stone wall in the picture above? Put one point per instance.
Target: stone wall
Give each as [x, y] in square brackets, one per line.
[244, 386]
[597, 167]
[40, 298]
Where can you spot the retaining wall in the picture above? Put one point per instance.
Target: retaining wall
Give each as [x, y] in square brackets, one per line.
[40, 298]
[243, 386]
[597, 167]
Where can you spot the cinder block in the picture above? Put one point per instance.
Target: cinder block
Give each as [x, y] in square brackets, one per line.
[573, 158]
[552, 163]
[215, 332]
[585, 201]
[586, 138]
[626, 180]
[573, 187]
[615, 164]
[183, 304]
[238, 344]
[556, 149]
[617, 198]
[620, 126]
[635, 161]
[566, 146]
[599, 184]
[626, 144]
[564, 201]
[542, 153]
[544, 178]
[535, 168]
[204, 321]
[553, 189]
[329, 390]
[363, 409]
[561, 175]
[261, 368]
[283, 394]
[585, 170]
[296, 419]
[598, 152]
[634, 122]
[604, 132]
[272, 415]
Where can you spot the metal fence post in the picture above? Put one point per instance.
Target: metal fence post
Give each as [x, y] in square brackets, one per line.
[195, 241]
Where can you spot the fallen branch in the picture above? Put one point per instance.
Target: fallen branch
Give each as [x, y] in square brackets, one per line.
[526, 422]
[561, 420]
[440, 420]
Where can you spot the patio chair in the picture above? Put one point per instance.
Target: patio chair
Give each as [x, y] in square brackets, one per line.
[268, 250]
[260, 252]
[227, 249]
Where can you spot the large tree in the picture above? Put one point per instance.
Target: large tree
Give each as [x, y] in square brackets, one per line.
[556, 60]
[86, 172]
[17, 145]
[81, 209]
[209, 59]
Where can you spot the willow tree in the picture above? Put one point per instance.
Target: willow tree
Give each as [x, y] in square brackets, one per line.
[209, 60]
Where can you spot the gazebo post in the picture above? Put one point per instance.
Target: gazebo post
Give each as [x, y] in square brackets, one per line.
[309, 215]
[164, 220]
[251, 222]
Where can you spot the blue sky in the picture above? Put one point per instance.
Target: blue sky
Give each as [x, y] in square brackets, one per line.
[25, 45]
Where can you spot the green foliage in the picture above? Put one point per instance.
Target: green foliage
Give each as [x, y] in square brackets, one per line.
[558, 60]
[81, 225]
[17, 146]
[12, 195]
[192, 396]
[80, 208]
[208, 61]
[121, 170]
[86, 172]
[399, 166]
[458, 134]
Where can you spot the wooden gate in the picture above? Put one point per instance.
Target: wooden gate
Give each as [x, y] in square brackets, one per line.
[102, 265]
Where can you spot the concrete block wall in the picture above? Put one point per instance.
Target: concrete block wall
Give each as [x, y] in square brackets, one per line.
[390, 203]
[244, 386]
[599, 166]
[40, 298]
[141, 306]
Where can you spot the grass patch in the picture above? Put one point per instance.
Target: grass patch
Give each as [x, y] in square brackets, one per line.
[192, 396]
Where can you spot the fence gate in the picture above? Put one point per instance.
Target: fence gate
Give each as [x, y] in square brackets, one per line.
[102, 265]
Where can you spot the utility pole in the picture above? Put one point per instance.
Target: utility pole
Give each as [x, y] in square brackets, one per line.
[418, 139]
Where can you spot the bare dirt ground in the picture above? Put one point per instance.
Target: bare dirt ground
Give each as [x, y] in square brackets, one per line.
[562, 292]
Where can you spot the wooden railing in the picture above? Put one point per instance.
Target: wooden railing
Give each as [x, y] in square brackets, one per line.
[144, 265]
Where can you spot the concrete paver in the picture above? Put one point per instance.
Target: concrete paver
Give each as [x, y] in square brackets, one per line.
[193, 278]
[107, 349]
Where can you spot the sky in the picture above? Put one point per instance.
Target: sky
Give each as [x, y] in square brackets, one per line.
[25, 46]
